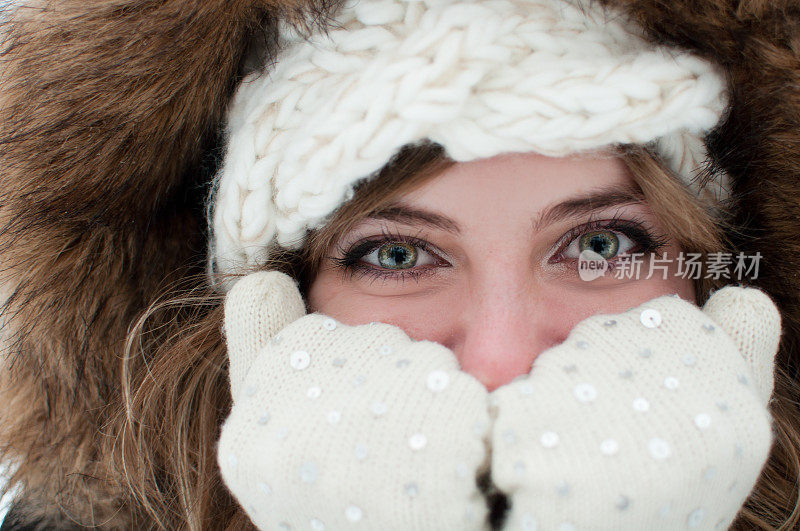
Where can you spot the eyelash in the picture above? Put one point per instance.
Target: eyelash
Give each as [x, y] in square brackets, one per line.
[350, 264]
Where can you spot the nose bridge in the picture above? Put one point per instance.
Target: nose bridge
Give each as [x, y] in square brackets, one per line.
[502, 334]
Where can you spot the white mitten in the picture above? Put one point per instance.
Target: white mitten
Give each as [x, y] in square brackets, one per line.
[337, 426]
[652, 419]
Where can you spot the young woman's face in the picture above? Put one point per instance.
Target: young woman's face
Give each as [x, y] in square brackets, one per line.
[483, 259]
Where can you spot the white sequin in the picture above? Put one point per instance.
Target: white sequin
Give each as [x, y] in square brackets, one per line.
[334, 416]
[509, 436]
[610, 323]
[688, 360]
[417, 441]
[708, 327]
[250, 391]
[360, 452]
[650, 318]
[742, 379]
[403, 363]
[314, 392]
[641, 405]
[385, 350]
[738, 449]
[526, 388]
[623, 502]
[339, 362]
[528, 523]
[411, 490]
[330, 324]
[353, 513]
[671, 383]
[378, 408]
[233, 460]
[549, 439]
[317, 524]
[659, 449]
[709, 473]
[609, 447]
[263, 419]
[282, 432]
[702, 421]
[519, 468]
[359, 380]
[585, 393]
[695, 518]
[300, 359]
[462, 470]
[566, 526]
[582, 345]
[264, 488]
[437, 381]
[645, 353]
[308, 472]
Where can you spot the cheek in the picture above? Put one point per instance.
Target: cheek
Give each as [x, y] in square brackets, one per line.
[435, 316]
[569, 307]
[348, 304]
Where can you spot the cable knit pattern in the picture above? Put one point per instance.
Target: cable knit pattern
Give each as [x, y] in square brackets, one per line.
[481, 78]
[651, 419]
[335, 426]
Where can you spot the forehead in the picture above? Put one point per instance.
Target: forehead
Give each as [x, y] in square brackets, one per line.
[515, 185]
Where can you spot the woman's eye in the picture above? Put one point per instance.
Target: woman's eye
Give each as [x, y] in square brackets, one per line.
[398, 255]
[606, 243]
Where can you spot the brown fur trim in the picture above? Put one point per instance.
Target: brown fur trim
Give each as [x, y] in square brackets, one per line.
[107, 109]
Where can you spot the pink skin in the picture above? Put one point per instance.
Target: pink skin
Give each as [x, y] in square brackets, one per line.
[494, 294]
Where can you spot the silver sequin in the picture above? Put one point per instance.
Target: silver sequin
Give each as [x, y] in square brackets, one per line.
[418, 441]
[659, 449]
[353, 513]
[609, 447]
[437, 381]
[309, 472]
[702, 421]
[650, 318]
[329, 324]
[314, 392]
[641, 405]
[360, 452]
[300, 359]
[549, 439]
[585, 393]
[695, 518]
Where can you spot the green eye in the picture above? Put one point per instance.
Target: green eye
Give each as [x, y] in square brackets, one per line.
[603, 242]
[397, 255]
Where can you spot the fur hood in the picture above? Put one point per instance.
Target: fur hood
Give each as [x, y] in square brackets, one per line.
[110, 115]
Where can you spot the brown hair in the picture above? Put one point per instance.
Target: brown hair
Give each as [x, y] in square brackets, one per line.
[175, 379]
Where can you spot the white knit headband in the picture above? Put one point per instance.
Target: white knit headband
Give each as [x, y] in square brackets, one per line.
[479, 77]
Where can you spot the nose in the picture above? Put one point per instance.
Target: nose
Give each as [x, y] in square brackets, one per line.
[502, 330]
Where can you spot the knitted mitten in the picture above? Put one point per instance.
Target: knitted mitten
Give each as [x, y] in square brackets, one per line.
[333, 425]
[655, 418]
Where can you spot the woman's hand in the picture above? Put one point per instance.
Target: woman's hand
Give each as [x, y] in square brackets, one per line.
[333, 425]
[652, 419]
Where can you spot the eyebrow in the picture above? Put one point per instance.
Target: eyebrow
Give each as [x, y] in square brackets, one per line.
[606, 197]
